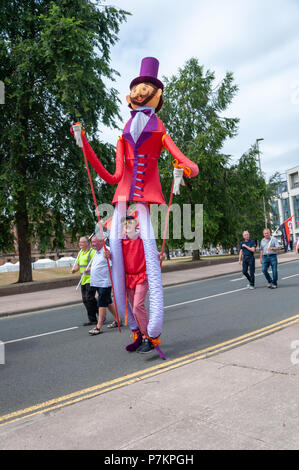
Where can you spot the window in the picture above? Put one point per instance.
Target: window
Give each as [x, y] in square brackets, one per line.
[286, 213]
[294, 180]
[275, 214]
[296, 209]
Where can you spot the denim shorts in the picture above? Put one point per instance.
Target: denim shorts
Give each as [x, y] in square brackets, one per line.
[104, 296]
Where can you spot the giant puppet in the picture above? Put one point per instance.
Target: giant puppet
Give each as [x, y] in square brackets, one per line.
[137, 178]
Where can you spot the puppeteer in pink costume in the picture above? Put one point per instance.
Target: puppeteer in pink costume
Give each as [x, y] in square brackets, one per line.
[137, 178]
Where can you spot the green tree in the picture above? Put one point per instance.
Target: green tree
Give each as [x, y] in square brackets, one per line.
[193, 115]
[55, 63]
[245, 191]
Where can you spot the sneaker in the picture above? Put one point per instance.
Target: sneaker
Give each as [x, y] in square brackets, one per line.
[269, 285]
[89, 323]
[251, 287]
[145, 347]
[274, 286]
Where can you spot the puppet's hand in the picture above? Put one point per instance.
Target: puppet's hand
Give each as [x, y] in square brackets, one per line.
[178, 179]
[77, 129]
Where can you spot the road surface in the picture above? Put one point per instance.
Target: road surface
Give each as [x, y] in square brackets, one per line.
[49, 354]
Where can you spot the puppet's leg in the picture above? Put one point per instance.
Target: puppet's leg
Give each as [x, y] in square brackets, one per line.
[137, 297]
[117, 270]
[153, 269]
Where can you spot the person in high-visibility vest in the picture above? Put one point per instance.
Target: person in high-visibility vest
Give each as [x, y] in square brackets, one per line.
[88, 292]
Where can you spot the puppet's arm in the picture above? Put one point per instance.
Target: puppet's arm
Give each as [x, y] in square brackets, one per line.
[97, 165]
[190, 168]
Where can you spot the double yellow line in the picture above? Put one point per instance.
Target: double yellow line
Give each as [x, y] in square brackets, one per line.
[129, 379]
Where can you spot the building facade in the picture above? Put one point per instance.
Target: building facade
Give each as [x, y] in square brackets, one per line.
[286, 203]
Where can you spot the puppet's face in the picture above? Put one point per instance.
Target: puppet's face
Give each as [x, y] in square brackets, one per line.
[144, 94]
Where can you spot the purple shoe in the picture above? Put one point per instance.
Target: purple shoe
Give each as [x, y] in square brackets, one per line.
[137, 339]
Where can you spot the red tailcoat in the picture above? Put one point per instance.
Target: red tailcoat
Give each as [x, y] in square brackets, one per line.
[137, 172]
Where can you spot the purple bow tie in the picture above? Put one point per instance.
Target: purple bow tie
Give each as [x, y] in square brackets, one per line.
[148, 112]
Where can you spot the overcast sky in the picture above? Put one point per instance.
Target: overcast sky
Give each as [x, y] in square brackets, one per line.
[257, 40]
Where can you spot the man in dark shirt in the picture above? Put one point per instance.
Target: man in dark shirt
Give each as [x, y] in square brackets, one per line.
[247, 249]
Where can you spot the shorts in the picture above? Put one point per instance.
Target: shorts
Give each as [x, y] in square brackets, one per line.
[104, 296]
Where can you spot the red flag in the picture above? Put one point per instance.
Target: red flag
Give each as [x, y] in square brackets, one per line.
[286, 228]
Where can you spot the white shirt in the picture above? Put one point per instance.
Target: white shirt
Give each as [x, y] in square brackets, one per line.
[99, 274]
[139, 122]
[265, 244]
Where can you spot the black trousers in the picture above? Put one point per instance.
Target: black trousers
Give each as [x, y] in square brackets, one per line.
[88, 296]
[249, 262]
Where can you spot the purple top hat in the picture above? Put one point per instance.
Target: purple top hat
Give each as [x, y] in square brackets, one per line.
[148, 73]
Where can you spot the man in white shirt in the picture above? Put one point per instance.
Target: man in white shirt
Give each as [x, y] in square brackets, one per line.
[99, 278]
[268, 257]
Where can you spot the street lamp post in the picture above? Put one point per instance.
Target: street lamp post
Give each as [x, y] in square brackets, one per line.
[259, 155]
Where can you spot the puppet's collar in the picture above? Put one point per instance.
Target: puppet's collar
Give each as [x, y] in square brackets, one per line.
[148, 110]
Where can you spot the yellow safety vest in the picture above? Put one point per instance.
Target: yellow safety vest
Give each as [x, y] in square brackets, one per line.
[84, 258]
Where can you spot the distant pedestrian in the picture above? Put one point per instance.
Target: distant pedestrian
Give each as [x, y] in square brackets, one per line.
[297, 246]
[246, 257]
[100, 280]
[268, 256]
[88, 292]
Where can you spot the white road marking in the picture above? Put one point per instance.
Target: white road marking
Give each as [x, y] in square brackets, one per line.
[42, 334]
[243, 278]
[288, 277]
[205, 298]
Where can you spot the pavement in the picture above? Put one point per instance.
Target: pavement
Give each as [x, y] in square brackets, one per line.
[239, 395]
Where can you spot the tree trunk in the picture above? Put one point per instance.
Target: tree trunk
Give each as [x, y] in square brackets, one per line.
[24, 244]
